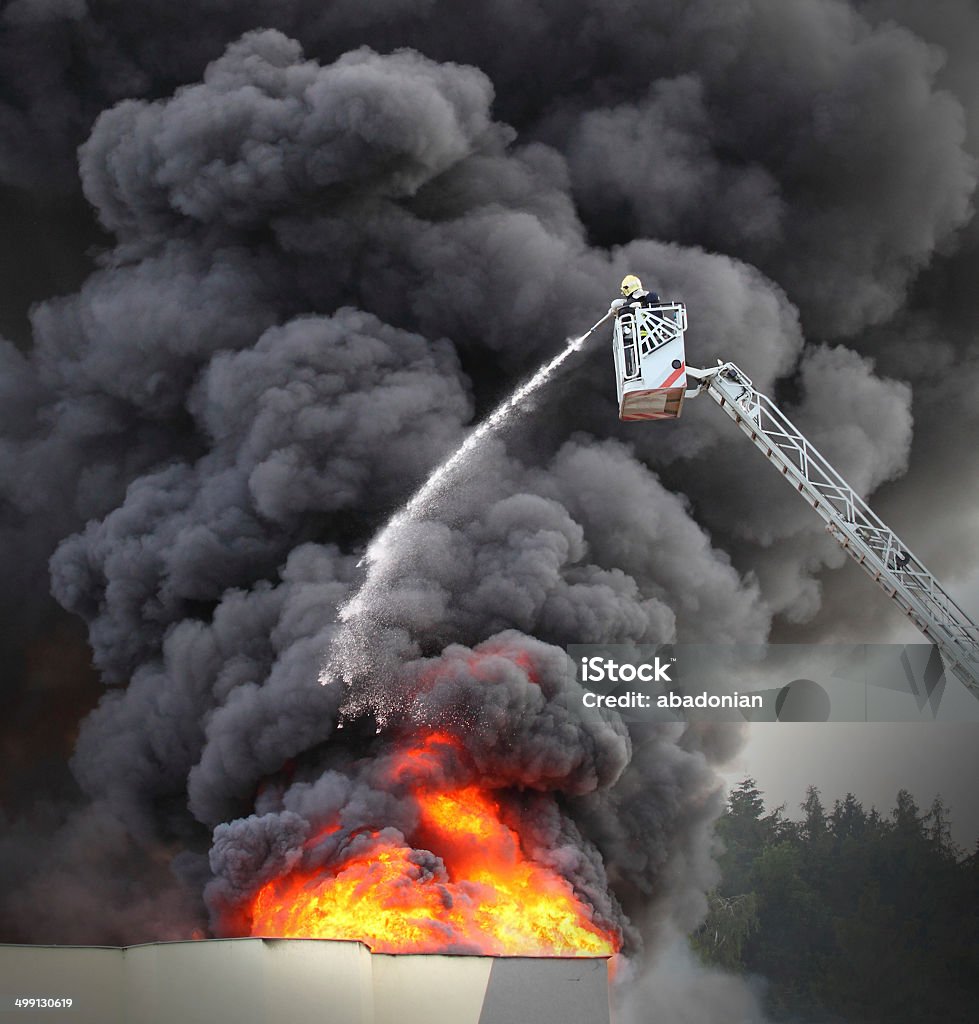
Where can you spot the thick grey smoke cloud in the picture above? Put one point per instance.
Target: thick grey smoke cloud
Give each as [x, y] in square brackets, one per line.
[320, 416]
[266, 128]
[338, 236]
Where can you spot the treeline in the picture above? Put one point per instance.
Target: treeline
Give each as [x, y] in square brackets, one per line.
[848, 914]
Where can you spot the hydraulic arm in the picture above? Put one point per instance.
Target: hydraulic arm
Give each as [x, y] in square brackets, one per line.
[872, 544]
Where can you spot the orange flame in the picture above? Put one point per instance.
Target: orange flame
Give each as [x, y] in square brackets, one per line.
[482, 894]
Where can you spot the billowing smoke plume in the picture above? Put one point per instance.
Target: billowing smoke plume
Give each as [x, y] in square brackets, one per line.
[331, 239]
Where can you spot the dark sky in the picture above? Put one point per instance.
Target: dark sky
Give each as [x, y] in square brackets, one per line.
[261, 268]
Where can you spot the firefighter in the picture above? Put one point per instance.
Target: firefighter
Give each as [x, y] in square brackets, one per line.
[634, 294]
[634, 298]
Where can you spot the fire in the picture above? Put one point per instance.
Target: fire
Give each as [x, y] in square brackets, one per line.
[466, 886]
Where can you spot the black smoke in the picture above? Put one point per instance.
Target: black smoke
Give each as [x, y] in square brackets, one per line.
[311, 244]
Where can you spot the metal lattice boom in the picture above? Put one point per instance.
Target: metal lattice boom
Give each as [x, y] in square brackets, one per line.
[849, 519]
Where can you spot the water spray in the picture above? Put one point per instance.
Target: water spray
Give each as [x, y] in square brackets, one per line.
[378, 556]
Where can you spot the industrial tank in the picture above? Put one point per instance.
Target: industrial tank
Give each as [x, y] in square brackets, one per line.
[296, 981]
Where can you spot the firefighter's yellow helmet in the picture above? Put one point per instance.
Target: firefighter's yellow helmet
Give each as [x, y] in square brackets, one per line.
[631, 284]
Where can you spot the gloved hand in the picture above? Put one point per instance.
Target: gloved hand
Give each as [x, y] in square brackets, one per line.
[616, 304]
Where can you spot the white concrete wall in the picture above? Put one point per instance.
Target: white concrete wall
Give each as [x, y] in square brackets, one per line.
[295, 981]
[91, 976]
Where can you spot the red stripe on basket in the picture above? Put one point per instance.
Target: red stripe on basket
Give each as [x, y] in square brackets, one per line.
[673, 376]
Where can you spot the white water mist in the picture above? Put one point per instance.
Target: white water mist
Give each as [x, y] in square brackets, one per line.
[349, 647]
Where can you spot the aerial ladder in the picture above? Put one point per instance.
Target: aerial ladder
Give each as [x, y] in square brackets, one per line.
[653, 381]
